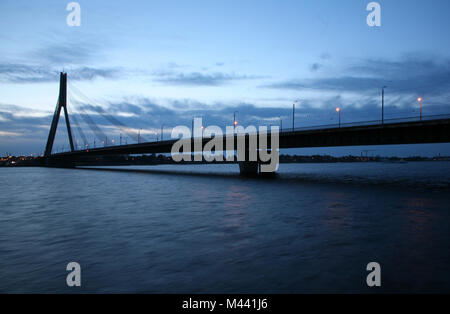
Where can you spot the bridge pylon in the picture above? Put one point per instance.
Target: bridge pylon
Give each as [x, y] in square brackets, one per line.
[62, 103]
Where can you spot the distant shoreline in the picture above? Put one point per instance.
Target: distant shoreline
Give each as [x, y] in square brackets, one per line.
[150, 160]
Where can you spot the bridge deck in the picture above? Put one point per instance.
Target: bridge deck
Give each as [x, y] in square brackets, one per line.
[409, 132]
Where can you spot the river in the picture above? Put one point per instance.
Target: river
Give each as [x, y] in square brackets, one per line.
[203, 228]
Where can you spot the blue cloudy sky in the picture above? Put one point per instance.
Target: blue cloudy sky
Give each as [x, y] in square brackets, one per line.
[152, 63]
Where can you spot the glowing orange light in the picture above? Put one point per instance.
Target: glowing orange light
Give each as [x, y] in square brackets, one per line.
[235, 122]
[338, 109]
[419, 99]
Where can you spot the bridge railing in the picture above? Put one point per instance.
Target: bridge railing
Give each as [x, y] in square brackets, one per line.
[368, 123]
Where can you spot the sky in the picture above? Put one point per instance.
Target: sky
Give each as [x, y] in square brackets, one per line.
[160, 63]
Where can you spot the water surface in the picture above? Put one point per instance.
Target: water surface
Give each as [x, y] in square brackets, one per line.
[197, 229]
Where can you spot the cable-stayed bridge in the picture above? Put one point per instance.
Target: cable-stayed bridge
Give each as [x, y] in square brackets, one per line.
[426, 129]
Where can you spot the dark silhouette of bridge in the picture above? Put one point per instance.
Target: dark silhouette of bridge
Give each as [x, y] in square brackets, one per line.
[427, 129]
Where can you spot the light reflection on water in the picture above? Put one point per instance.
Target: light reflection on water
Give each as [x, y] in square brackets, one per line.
[313, 228]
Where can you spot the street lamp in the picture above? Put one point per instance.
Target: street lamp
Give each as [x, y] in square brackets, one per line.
[382, 104]
[338, 110]
[281, 124]
[293, 115]
[420, 104]
[234, 120]
[162, 132]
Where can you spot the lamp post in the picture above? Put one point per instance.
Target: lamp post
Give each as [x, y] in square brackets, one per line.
[382, 104]
[293, 115]
[281, 124]
[162, 132]
[234, 120]
[420, 104]
[338, 110]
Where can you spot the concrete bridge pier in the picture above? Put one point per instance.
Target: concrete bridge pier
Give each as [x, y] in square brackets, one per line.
[249, 168]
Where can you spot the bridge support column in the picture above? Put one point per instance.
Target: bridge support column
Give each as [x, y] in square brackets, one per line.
[249, 168]
[249, 163]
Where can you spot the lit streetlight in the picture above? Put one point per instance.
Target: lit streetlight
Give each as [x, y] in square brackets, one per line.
[420, 104]
[234, 120]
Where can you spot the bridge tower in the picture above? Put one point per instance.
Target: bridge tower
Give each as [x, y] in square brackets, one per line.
[62, 103]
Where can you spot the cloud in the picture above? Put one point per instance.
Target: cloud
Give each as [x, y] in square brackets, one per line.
[315, 67]
[73, 55]
[425, 75]
[6, 133]
[66, 53]
[87, 73]
[198, 78]
[28, 73]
